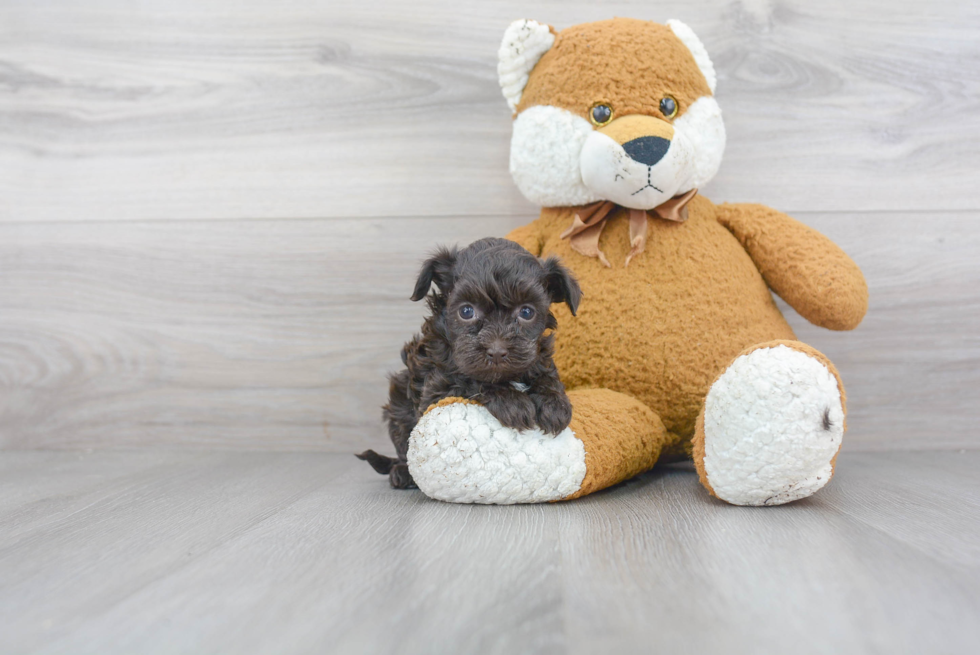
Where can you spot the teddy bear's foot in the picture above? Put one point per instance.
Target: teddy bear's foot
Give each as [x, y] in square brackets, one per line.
[771, 426]
[459, 452]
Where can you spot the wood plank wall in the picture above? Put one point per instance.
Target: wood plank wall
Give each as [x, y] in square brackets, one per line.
[211, 213]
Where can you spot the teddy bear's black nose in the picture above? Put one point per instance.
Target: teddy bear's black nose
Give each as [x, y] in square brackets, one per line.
[647, 149]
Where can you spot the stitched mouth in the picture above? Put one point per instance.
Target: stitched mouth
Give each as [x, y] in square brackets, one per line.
[648, 184]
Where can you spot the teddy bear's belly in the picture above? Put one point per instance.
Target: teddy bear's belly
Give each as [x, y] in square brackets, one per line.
[663, 329]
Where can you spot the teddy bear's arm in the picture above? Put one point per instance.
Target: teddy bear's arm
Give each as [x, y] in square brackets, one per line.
[805, 268]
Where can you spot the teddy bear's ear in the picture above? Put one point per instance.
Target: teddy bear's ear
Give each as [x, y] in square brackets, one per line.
[693, 43]
[525, 41]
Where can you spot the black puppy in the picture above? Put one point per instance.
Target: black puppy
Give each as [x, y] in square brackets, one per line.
[485, 340]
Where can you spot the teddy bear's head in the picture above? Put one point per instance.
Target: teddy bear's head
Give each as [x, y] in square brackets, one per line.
[618, 110]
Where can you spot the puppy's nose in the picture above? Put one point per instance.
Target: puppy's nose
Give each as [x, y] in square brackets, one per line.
[497, 352]
[647, 149]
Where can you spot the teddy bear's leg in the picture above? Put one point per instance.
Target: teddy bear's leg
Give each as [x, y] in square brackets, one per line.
[460, 453]
[771, 426]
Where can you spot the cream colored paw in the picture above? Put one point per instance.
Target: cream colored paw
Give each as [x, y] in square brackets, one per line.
[459, 453]
[773, 423]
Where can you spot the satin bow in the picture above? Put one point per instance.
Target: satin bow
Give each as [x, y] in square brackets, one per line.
[589, 220]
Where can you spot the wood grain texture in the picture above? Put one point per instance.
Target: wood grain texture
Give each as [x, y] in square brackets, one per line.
[301, 158]
[279, 334]
[814, 577]
[192, 110]
[302, 553]
[274, 334]
[211, 215]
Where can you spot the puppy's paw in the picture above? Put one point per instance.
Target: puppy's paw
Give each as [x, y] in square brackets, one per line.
[554, 412]
[400, 477]
[513, 410]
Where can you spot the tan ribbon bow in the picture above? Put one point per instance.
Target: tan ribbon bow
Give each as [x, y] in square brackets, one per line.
[589, 220]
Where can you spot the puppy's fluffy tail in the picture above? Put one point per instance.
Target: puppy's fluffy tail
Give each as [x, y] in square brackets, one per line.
[395, 469]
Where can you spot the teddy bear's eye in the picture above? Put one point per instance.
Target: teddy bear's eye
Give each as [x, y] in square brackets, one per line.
[601, 114]
[668, 107]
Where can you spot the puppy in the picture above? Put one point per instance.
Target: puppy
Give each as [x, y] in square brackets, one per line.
[485, 340]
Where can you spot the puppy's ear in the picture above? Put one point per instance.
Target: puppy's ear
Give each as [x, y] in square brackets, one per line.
[439, 269]
[560, 284]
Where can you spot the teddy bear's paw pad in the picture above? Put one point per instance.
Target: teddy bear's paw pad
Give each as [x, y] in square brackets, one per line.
[773, 423]
[459, 453]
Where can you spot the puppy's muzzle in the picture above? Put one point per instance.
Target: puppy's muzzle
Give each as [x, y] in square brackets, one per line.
[497, 353]
[645, 139]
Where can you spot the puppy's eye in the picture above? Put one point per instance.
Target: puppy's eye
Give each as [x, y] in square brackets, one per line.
[466, 312]
[668, 107]
[601, 114]
[526, 313]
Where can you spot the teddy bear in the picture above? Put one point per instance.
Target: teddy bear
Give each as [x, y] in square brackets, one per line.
[678, 350]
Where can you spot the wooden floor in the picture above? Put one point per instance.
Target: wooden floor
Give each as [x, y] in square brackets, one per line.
[143, 552]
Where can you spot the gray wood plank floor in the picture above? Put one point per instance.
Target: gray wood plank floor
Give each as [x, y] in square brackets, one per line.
[124, 552]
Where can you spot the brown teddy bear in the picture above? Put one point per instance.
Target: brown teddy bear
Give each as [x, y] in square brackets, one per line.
[678, 350]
